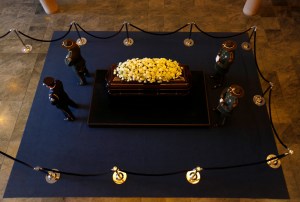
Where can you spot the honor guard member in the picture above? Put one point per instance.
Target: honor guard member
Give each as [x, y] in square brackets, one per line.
[59, 98]
[75, 60]
[228, 101]
[224, 59]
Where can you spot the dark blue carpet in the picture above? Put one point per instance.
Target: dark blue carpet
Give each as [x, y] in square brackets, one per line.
[50, 142]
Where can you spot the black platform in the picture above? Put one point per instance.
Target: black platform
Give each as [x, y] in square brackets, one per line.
[190, 110]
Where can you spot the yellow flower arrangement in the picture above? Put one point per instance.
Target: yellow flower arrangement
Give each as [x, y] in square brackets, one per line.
[148, 70]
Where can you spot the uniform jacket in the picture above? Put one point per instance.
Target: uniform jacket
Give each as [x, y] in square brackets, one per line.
[227, 102]
[57, 95]
[74, 58]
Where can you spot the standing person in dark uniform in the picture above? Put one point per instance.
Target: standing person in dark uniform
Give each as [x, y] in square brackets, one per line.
[59, 98]
[228, 101]
[224, 59]
[74, 59]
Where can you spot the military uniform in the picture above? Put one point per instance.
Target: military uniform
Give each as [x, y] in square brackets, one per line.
[75, 60]
[59, 98]
[224, 59]
[228, 101]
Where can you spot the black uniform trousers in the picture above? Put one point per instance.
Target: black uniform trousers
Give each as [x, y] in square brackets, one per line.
[64, 107]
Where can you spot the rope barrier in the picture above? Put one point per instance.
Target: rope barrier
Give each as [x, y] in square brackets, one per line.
[76, 174]
[79, 36]
[234, 35]
[255, 60]
[16, 32]
[246, 164]
[268, 89]
[144, 174]
[126, 28]
[191, 29]
[4, 35]
[270, 117]
[53, 40]
[253, 30]
[155, 175]
[99, 37]
[17, 160]
[160, 34]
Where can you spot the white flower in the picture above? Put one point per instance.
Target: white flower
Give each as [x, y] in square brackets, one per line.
[148, 70]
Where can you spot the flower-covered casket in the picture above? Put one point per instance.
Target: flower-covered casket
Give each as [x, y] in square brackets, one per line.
[149, 76]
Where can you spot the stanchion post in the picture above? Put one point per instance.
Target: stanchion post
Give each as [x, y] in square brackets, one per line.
[247, 45]
[259, 100]
[118, 177]
[26, 47]
[52, 176]
[273, 161]
[194, 176]
[81, 40]
[188, 41]
[127, 41]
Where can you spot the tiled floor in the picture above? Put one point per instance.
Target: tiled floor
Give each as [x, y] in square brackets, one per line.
[278, 56]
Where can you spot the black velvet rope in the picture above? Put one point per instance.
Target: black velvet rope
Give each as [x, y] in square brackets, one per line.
[17, 160]
[159, 34]
[255, 60]
[254, 30]
[152, 174]
[270, 89]
[4, 35]
[145, 174]
[191, 28]
[126, 27]
[229, 36]
[270, 117]
[99, 37]
[245, 165]
[266, 90]
[77, 31]
[53, 40]
[76, 174]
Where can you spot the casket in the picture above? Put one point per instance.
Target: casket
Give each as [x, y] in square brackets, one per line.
[180, 86]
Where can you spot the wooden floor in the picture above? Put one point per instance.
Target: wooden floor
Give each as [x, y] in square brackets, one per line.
[278, 56]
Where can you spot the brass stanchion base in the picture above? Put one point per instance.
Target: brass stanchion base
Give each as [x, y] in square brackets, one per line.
[128, 42]
[194, 176]
[52, 177]
[246, 46]
[27, 49]
[275, 163]
[119, 177]
[81, 41]
[188, 42]
[259, 100]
